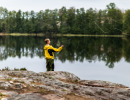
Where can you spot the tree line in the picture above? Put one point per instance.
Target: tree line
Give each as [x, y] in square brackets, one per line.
[75, 21]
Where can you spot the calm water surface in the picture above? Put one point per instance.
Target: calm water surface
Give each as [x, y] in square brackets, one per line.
[89, 58]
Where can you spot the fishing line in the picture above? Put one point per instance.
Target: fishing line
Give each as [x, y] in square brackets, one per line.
[108, 31]
[59, 43]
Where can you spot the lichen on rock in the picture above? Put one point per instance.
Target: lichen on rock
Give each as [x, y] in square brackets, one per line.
[61, 85]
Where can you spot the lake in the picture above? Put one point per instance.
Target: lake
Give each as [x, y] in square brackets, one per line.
[89, 58]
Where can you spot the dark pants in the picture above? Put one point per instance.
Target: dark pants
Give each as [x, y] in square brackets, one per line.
[50, 64]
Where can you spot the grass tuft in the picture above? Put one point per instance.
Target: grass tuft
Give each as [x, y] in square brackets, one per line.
[24, 69]
[15, 69]
[8, 79]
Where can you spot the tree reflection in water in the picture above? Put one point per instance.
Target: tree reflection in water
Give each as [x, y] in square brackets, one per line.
[109, 50]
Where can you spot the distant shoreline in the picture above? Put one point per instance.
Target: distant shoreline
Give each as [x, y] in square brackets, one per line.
[41, 34]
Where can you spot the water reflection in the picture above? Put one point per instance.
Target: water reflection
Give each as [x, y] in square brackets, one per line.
[91, 49]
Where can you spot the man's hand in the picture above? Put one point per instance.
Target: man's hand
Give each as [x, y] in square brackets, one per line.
[62, 46]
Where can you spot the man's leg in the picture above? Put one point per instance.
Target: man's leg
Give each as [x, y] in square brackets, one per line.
[52, 67]
[52, 64]
[48, 64]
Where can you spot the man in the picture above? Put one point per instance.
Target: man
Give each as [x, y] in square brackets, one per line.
[49, 55]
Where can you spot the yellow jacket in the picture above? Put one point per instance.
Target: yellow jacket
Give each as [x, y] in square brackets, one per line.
[48, 49]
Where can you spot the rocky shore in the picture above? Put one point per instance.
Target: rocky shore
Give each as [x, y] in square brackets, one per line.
[57, 85]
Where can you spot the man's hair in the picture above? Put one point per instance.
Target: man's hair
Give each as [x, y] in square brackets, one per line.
[46, 40]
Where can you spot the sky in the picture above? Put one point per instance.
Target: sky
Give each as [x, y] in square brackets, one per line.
[37, 5]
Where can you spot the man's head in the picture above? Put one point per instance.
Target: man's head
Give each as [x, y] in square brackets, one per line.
[47, 41]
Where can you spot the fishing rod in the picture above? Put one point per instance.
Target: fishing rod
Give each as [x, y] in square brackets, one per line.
[58, 43]
[65, 41]
[108, 31]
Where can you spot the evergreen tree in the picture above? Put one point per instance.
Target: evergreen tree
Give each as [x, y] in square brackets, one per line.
[64, 21]
[115, 17]
[127, 22]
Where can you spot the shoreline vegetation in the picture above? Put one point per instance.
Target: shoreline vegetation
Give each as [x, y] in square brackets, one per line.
[86, 22]
[68, 35]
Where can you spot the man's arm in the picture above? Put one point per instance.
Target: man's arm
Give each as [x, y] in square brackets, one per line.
[57, 50]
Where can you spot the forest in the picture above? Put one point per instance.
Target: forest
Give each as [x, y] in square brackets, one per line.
[110, 21]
